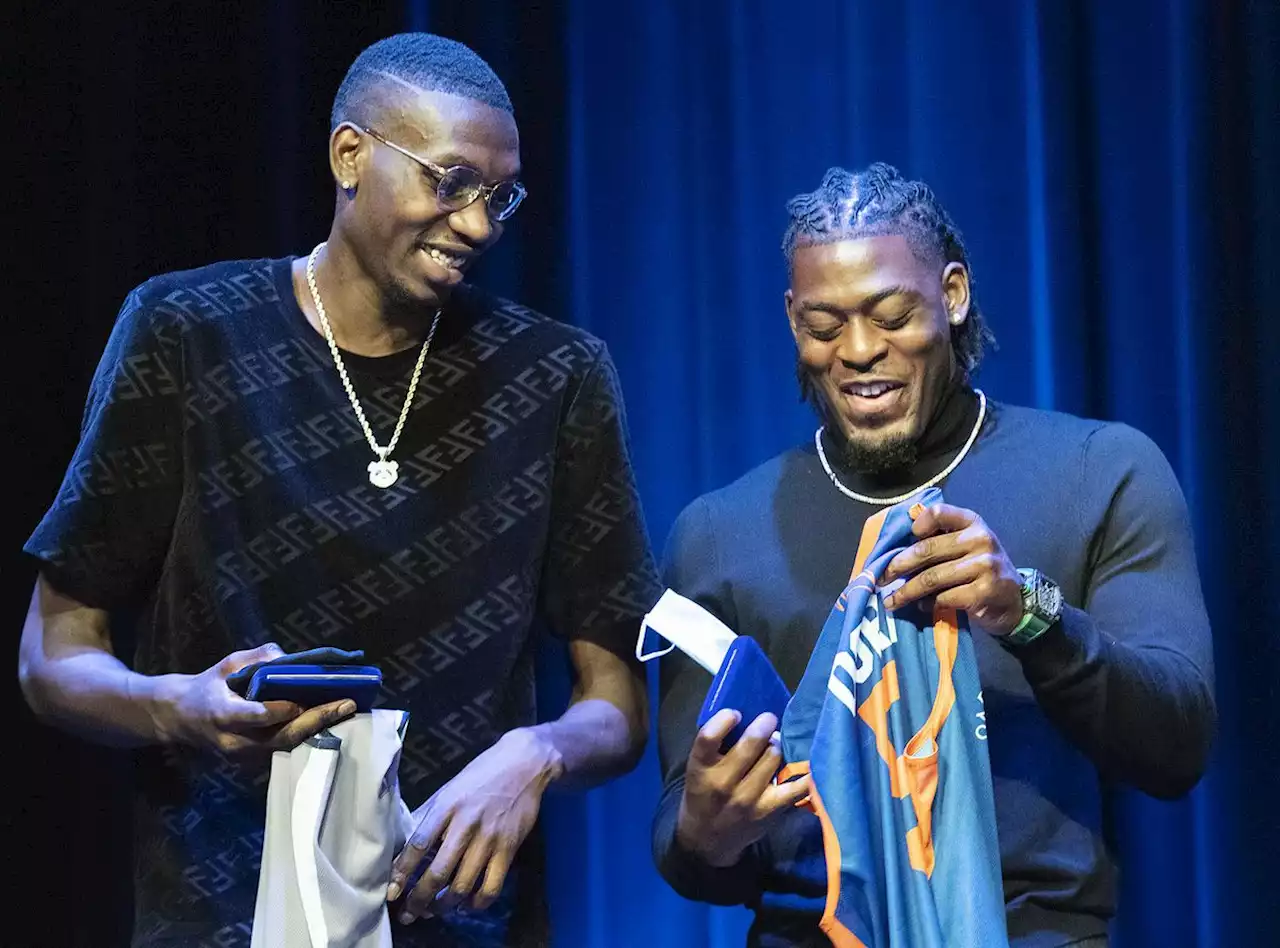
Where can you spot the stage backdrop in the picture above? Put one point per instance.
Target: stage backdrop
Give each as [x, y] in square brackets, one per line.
[1112, 166]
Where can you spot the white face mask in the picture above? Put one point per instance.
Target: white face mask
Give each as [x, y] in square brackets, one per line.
[687, 626]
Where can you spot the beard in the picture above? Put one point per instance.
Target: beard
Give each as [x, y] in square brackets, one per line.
[891, 455]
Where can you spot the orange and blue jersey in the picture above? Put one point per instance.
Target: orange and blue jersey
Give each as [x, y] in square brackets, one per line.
[888, 720]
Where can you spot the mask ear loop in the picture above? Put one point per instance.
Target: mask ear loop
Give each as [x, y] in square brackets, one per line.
[644, 635]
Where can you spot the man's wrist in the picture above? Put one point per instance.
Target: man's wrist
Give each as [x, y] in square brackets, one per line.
[1041, 608]
[537, 746]
[715, 857]
[158, 696]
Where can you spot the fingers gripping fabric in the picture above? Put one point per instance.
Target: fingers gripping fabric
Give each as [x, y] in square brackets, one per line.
[889, 720]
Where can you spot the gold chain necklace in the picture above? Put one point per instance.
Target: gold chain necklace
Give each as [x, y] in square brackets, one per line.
[382, 472]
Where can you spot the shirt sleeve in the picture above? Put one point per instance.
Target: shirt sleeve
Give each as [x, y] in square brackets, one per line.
[1129, 677]
[691, 568]
[104, 538]
[599, 578]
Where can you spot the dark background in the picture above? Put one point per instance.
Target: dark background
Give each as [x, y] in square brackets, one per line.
[1112, 166]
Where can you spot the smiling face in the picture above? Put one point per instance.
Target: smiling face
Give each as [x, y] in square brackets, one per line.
[413, 249]
[872, 323]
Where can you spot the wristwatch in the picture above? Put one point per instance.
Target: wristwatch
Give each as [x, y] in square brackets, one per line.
[1041, 607]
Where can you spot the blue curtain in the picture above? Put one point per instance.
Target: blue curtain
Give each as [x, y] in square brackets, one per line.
[1112, 166]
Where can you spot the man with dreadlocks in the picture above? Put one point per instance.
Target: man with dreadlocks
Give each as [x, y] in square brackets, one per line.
[1066, 542]
[355, 448]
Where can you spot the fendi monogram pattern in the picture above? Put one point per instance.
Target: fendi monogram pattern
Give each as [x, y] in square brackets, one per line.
[219, 492]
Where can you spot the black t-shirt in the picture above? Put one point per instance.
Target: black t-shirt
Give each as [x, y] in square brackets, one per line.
[219, 495]
[1120, 690]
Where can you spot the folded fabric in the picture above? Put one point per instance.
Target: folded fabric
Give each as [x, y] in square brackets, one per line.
[888, 720]
[335, 822]
[682, 623]
[746, 683]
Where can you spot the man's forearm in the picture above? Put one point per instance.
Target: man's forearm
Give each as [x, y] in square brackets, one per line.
[1144, 716]
[97, 697]
[593, 741]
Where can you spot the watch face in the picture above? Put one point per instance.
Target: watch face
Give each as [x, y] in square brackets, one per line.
[1048, 599]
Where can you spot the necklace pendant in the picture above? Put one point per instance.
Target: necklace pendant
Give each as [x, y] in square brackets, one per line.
[383, 473]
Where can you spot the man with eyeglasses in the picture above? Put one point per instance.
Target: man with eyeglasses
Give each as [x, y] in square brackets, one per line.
[356, 449]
